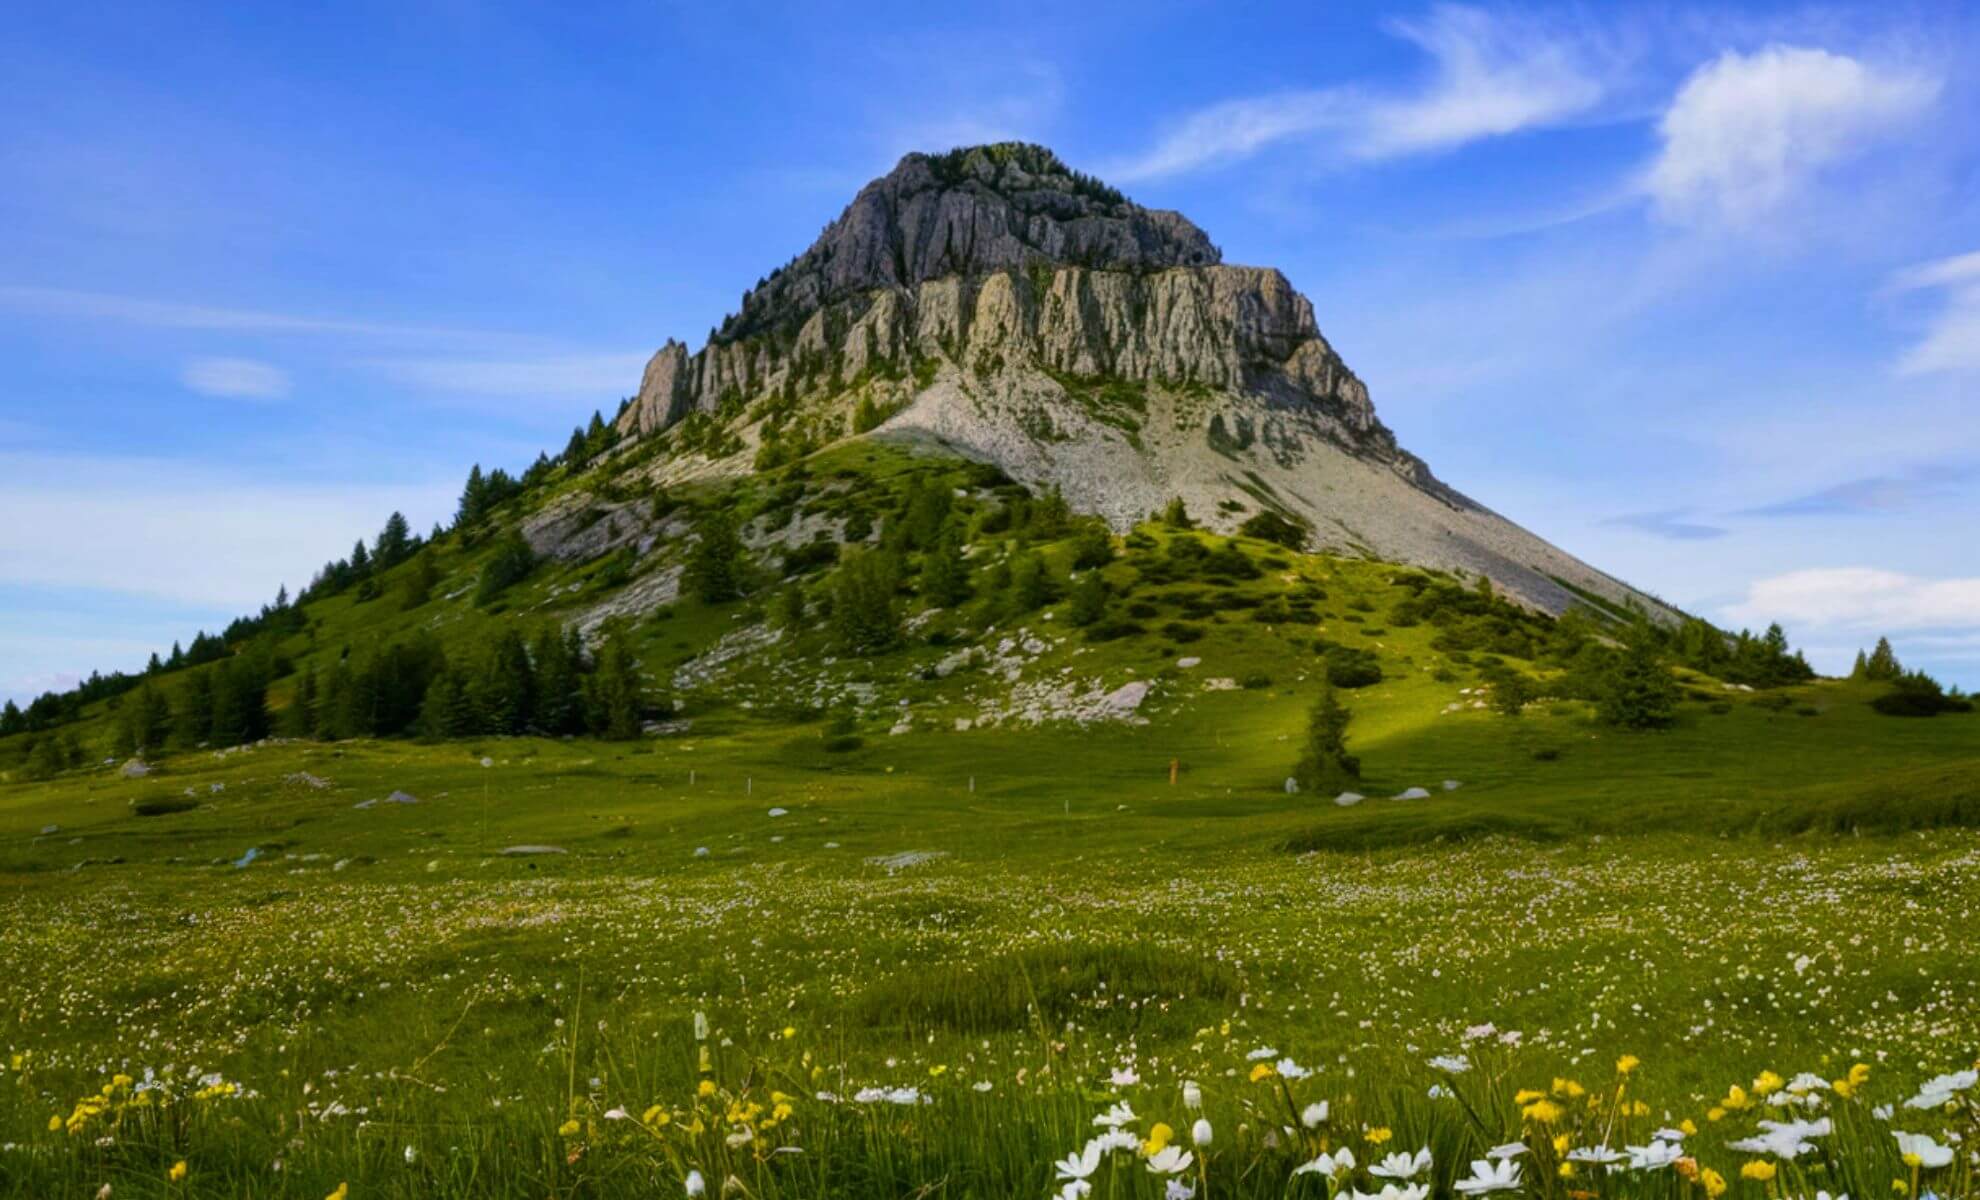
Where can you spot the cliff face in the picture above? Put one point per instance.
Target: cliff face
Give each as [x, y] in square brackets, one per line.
[1002, 306]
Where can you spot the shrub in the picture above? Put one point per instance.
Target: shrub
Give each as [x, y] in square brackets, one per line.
[1916, 694]
[1351, 667]
[511, 564]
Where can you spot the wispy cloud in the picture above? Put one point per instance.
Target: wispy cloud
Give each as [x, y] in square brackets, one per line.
[553, 377]
[1952, 340]
[1490, 75]
[70, 304]
[1747, 131]
[1862, 599]
[1877, 494]
[1672, 523]
[235, 378]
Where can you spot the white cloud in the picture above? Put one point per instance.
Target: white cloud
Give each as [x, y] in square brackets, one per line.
[171, 314]
[1952, 340]
[188, 533]
[1491, 76]
[236, 377]
[579, 375]
[1862, 599]
[1747, 131]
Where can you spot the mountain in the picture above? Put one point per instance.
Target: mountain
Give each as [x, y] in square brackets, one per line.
[993, 303]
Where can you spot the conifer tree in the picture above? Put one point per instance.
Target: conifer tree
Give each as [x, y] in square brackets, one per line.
[714, 566]
[394, 543]
[863, 612]
[192, 723]
[617, 693]
[505, 693]
[1088, 602]
[944, 574]
[1637, 691]
[1324, 763]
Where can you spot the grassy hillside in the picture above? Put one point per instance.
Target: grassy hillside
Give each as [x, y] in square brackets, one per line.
[1005, 929]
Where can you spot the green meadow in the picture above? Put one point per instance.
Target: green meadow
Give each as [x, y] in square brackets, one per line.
[857, 925]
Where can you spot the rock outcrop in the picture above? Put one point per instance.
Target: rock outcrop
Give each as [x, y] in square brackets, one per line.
[996, 304]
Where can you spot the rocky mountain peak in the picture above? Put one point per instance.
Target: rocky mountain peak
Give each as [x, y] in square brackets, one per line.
[970, 212]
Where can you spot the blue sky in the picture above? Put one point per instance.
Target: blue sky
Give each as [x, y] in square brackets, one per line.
[1693, 292]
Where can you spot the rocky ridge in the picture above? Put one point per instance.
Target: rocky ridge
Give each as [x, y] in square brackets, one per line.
[992, 303]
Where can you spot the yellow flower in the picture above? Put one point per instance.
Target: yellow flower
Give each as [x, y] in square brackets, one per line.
[177, 1172]
[1158, 1139]
[937, 1071]
[1714, 1183]
[1379, 1135]
[1689, 1127]
[1898, 1186]
[782, 1112]
[1844, 1088]
[705, 1088]
[343, 1191]
[569, 1128]
[1859, 1075]
[1261, 1071]
[1736, 1098]
[1561, 1143]
[1627, 1063]
[1527, 1096]
[790, 1031]
[1767, 1082]
[1544, 1112]
[1568, 1088]
[1762, 1171]
[54, 1123]
[1715, 1114]
[1565, 1170]
[655, 1116]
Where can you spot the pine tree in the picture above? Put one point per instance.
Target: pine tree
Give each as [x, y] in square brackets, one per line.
[944, 574]
[448, 710]
[1324, 763]
[714, 566]
[394, 542]
[11, 719]
[1637, 691]
[1093, 547]
[511, 563]
[559, 663]
[192, 723]
[1088, 601]
[1176, 515]
[575, 450]
[1032, 585]
[474, 499]
[299, 719]
[505, 693]
[1861, 669]
[863, 611]
[618, 693]
[1883, 666]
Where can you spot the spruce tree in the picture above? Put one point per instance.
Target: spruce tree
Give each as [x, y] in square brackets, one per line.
[505, 693]
[618, 693]
[1883, 666]
[714, 566]
[863, 612]
[448, 710]
[1088, 601]
[1637, 691]
[559, 665]
[394, 543]
[192, 723]
[944, 574]
[299, 719]
[1324, 764]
